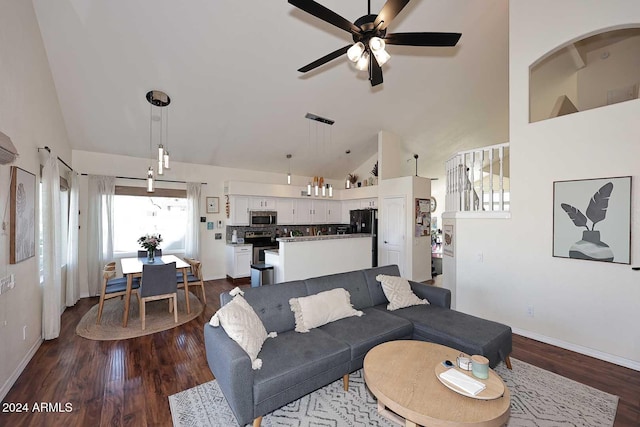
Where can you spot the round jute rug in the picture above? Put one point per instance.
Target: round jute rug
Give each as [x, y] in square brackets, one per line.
[158, 318]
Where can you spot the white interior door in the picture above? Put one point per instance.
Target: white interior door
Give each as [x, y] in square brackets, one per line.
[393, 231]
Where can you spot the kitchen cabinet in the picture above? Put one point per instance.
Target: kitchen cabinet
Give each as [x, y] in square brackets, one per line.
[303, 211]
[238, 260]
[238, 210]
[334, 212]
[318, 212]
[286, 209]
[263, 203]
[369, 203]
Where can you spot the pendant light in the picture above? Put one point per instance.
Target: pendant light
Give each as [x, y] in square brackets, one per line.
[165, 157]
[347, 181]
[156, 98]
[289, 173]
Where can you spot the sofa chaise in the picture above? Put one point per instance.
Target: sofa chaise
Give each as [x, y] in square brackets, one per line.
[295, 364]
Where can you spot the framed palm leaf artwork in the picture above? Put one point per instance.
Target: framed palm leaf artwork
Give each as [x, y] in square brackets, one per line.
[22, 241]
[592, 219]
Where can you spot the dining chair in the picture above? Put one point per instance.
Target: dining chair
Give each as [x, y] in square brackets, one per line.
[159, 282]
[194, 276]
[113, 286]
[144, 253]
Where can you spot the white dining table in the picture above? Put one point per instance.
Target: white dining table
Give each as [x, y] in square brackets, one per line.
[132, 267]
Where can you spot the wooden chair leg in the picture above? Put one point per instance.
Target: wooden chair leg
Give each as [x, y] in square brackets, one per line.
[507, 362]
[142, 313]
[345, 382]
[100, 310]
[257, 421]
[175, 307]
[204, 296]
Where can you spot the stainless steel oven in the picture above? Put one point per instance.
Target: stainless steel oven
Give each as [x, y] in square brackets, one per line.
[261, 241]
[263, 218]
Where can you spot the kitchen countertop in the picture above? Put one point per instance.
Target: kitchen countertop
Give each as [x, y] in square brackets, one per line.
[272, 251]
[321, 237]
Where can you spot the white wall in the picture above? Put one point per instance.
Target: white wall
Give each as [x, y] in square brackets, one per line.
[590, 307]
[31, 117]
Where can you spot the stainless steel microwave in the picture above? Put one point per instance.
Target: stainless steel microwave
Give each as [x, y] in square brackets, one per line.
[262, 218]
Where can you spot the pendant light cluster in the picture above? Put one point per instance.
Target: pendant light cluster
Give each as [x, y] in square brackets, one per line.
[359, 53]
[318, 187]
[159, 99]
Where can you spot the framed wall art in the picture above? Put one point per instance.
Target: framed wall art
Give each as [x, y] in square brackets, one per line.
[592, 219]
[213, 204]
[22, 239]
[447, 248]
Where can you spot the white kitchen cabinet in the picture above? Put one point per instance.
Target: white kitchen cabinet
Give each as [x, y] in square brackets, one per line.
[238, 210]
[318, 212]
[334, 212]
[238, 260]
[304, 211]
[286, 209]
[369, 203]
[263, 203]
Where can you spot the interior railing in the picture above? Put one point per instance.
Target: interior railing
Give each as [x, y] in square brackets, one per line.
[478, 180]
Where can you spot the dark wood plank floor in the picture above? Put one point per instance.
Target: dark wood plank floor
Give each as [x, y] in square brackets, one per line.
[127, 383]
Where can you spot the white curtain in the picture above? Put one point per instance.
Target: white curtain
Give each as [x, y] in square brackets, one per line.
[99, 228]
[73, 281]
[192, 234]
[52, 252]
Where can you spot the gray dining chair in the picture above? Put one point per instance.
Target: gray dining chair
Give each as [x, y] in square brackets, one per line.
[159, 282]
[113, 287]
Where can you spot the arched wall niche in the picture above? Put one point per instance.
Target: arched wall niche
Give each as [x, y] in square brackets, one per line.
[594, 70]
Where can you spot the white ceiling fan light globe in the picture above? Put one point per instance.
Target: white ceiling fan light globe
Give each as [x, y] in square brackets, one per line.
[376, 44]
[355, 52]
[382, 56]
[363, 62]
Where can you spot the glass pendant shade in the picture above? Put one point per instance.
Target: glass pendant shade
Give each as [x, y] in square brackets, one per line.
[355, 52]
[309, 189]
[150, 180]
[289, 178]
[161, 166]
[166, 159]
[347, 184]
[363, 62]
[330, 190]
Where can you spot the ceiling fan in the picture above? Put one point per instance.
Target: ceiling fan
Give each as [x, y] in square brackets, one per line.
[370, 36]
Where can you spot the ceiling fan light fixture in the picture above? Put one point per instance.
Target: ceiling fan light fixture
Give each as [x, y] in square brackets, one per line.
[382, 56]
[363, 62]
[355, 52]
[376, 44]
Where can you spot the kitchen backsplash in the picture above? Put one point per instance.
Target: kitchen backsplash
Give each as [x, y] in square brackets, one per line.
[285, 230]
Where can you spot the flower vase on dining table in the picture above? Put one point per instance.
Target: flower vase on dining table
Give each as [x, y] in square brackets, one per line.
[151, 256]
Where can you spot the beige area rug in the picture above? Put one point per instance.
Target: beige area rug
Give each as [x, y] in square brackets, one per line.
[158, 318]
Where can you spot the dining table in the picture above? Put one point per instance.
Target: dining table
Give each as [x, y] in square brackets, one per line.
[132, 267]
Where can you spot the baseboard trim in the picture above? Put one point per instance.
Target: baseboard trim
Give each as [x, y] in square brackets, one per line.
[617, 360]
[23, 364]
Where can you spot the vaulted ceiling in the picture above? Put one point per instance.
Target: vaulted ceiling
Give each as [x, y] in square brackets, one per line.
[230, 66]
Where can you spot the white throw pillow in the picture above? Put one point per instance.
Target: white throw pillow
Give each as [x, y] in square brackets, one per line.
[398, 292]
[243, 325]
[322, 308]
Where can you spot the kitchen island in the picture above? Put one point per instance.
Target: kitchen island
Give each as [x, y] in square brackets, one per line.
[302, 257]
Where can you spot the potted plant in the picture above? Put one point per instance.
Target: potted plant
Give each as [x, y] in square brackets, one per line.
[352, 178]
[374, 172]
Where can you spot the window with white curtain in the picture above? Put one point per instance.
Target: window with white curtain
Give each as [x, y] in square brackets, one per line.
[137, 215]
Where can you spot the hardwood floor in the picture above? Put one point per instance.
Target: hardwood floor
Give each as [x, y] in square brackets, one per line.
[127, 383]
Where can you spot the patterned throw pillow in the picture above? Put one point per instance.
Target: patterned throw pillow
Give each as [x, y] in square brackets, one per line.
[398, 292]
[243, 325]
[322, 308]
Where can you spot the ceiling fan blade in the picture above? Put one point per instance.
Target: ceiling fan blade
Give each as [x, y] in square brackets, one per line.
[389, 11]
[321, 12]
[333, 55]
[375, 71]
[423, 39]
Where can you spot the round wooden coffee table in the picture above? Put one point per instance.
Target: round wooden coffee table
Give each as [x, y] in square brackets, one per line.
[401, 376]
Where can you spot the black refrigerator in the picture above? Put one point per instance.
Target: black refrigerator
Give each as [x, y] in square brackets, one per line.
[366, 221]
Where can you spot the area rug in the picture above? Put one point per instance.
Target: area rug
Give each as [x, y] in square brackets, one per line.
[158, 318]
[539, 398]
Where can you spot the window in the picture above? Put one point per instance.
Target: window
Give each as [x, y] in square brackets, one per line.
[136, 215]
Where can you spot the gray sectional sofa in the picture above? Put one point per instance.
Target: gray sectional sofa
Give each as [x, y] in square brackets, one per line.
[295, 364]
